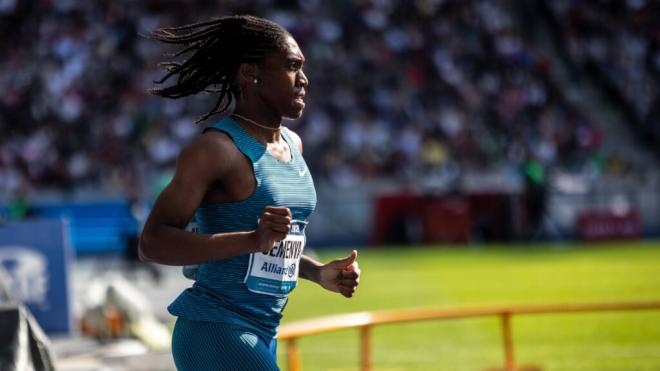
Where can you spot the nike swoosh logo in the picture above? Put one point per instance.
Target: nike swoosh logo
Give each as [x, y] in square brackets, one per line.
[302, 172]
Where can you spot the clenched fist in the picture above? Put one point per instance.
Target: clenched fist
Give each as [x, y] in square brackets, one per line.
[274, 225]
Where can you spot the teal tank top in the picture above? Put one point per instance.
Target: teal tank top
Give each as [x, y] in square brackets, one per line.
[251, 290]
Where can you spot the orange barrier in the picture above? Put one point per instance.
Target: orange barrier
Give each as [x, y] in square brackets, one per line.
[365, 320]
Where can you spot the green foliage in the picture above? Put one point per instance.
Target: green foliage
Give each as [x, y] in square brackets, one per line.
[452, 277]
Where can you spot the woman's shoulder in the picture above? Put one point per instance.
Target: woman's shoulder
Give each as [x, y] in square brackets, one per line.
[213, 142]
[213, 149]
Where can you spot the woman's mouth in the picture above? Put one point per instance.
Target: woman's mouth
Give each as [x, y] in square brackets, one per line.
[300, 99]
[299, 96]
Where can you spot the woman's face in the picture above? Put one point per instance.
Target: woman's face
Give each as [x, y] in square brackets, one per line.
[282, 81]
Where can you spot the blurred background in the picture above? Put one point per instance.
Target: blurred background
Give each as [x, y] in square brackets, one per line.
[463, 131]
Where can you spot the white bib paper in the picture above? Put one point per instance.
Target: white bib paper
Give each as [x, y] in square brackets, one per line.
[276, 272]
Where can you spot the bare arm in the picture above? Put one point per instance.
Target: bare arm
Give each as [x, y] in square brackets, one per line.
[310, 269]
[164, 240]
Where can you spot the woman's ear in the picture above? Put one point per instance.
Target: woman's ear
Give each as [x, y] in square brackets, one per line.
[248, 73]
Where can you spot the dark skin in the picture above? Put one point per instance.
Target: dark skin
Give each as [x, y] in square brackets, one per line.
[201, 178]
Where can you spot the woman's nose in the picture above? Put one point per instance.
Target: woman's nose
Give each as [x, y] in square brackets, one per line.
[304, 81]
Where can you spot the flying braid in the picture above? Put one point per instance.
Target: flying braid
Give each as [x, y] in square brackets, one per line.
[218, 48]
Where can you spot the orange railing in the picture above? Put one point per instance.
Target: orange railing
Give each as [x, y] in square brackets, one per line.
[365, 320]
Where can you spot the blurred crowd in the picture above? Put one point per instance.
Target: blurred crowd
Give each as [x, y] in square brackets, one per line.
[400, 90]
[621, 41]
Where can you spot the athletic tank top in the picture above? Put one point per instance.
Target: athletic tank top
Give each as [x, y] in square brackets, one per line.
[240, 290]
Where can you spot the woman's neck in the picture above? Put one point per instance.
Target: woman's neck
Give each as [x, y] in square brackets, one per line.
[263, 129]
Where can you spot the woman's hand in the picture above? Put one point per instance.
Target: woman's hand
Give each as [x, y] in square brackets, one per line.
[341, 275]
[274, 225]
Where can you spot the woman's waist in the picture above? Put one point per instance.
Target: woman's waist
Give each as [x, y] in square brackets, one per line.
[233, 300]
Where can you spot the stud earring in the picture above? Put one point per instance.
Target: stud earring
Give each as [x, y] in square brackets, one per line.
[256, 81]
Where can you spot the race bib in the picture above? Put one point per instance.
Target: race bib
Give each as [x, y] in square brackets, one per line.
[276, 272]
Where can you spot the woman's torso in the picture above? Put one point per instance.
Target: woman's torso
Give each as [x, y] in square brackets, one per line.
[220, 292]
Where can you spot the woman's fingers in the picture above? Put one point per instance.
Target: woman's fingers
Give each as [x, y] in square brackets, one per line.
[347, 282]
[276, 217]
[350, 274]
[278, 222]
[278, 210]
[346, 291]
[277, 227]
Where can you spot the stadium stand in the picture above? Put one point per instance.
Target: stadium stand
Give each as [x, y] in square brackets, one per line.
[618, 42]
[426, 94]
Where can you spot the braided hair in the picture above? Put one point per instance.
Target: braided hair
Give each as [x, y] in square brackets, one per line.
[218, 48]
